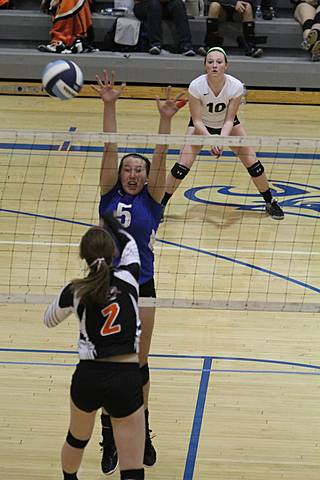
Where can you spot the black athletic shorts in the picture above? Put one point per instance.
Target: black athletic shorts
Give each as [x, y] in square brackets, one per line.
[216, 131]
[116, 386]
[147, 289]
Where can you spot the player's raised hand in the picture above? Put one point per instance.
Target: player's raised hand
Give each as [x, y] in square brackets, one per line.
[217, 150]
[106, 87]
[171, 105]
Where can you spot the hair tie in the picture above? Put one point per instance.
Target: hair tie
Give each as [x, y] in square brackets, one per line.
[98, 262]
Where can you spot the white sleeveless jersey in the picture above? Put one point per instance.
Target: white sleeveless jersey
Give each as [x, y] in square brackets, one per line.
[214, 108]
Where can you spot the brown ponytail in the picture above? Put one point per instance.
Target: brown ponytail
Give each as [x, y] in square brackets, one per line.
[97, 248]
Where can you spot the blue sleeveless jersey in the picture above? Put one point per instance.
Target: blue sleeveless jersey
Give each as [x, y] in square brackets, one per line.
[140, 215]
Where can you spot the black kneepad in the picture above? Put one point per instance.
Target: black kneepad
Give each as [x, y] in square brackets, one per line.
[307, 24]
[136, 474]
[145, 375]
[75, 442]
[256, 169]
[179, 171]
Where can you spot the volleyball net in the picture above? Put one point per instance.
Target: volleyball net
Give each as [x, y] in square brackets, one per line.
[217, 248]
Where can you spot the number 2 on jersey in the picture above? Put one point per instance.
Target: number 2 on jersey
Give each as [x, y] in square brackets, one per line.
[110, 312]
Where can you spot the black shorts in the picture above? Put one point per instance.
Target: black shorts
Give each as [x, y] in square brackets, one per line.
[147, 289]
[116, 386]
[216, 131]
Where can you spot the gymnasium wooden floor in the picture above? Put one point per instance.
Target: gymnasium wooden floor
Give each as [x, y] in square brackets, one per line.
[235, 392]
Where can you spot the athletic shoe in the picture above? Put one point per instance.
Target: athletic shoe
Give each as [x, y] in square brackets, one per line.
[109, 461]
[202, 51]
[150, 454]
[188, 52]
[305, 45]
[254, 52]
[315, 52]
[274, 210]
[155, 50]
[313, 36]
[267, 13]
[54, 47]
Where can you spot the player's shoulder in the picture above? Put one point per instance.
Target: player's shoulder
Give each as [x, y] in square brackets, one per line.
[233, 80]
[199, 81]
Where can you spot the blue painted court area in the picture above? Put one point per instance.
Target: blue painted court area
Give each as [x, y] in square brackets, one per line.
[205, 373]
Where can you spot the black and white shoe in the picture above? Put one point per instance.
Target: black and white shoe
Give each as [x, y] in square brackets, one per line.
[54, 47]
[274, 210]
[155, 50]
[109, 461]
[150, 454]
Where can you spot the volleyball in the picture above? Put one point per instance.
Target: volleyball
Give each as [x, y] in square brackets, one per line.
[62, 79]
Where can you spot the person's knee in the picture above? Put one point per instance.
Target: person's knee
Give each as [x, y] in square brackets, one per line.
[75, 442]
[214, 10]
[256, 170]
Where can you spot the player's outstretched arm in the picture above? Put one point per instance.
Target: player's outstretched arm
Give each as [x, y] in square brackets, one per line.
[167, 109]
[109, 94]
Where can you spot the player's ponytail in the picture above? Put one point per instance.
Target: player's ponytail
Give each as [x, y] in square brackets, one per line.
[96, 248]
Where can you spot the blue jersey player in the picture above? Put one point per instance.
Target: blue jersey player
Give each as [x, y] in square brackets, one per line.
[133, 191]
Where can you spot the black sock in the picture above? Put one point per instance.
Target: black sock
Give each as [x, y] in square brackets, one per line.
[166, 198]
[70, 476]
[107, 432]
[267, 195]
[137, 474]
[146, 416]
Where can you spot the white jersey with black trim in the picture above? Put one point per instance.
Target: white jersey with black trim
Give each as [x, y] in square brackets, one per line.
[214, 108]
[112, 328]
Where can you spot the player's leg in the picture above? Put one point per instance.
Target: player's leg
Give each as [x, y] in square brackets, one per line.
[122, 397]
[129, 436]
[248, 157]
[109, 459]
[180, 169]
[147, 317]
[80, 430]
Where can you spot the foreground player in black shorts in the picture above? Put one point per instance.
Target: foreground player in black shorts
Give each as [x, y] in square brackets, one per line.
[106, 305]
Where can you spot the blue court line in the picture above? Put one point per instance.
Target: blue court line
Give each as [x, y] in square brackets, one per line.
[149, 151]
[172, 369]
[197, 420]
[65, 146]
[186, 247]
[172, 355]
[244, 264]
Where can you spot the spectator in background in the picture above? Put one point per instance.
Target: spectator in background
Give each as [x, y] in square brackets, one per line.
[195, 8]
[307, 13]
[267, 10]
[230, 10]
[72, 30]
[5, 4]
[152, 12]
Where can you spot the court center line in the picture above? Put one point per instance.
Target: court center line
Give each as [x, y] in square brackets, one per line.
[197, 420]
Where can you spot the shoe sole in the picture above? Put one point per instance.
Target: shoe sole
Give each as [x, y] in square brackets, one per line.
[275, 217]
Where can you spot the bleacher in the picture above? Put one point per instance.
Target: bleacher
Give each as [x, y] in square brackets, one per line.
[283, 65]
